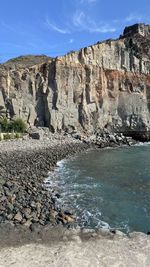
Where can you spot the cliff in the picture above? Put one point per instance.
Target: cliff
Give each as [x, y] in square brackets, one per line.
[100, 86]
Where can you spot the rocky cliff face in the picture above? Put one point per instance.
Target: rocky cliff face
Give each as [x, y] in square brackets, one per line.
[100, 86]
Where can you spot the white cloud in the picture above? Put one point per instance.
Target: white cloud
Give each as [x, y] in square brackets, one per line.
[104, 29]
[84, 23]
[53, 27]
[78, 19]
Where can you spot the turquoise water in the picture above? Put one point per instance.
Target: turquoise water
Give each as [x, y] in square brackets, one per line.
[108, 188]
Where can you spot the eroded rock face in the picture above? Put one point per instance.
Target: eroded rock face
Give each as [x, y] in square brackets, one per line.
[104, 85]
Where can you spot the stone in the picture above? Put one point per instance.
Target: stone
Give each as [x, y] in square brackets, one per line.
[76, 136]
[27, 223]
[8, 184]
[68, 213]
[35, 219]
[69, 219]
[10, 217]
[12, 199]
[18, 217]
[2, 208]
[2, 181]
[27, 213]
[54, 213]
[119, 233]
[35, 135]
[104, 232]
[10, 207]
[1, 218]
[33, 204]
[119, 139]
[112, 138]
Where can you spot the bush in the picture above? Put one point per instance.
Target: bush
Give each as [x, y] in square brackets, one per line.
[4, 124]
[17, 125]
[6, 136]
[12, 136]
[17, 135]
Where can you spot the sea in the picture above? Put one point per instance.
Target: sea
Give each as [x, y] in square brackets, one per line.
[107, 188]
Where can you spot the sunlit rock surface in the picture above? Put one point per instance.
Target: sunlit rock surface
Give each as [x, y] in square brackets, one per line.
[100, 86]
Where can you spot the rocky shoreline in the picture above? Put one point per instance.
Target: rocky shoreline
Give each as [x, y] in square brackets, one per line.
[25, 203]
[23, 165]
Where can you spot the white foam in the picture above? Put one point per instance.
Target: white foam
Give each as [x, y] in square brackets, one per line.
[104, 225]
[142, 144]
[60, 163]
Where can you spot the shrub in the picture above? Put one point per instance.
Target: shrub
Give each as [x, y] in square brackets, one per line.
[6, 136]
[17, 125]
[12, 136]
[17, 135]
[4, 124]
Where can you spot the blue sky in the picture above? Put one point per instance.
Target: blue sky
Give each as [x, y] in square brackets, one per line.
[55, 27]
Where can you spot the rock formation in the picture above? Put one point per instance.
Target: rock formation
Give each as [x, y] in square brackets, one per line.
[100, 86]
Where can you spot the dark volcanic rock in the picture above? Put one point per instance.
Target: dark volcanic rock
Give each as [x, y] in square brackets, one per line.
[23, 197]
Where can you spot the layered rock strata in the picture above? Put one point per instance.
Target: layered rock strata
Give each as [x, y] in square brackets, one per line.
[106, 85]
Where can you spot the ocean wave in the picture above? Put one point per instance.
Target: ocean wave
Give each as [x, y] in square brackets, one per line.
[60, 163]
[142, 144]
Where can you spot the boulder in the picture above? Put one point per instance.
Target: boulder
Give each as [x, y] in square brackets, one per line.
[36, 133]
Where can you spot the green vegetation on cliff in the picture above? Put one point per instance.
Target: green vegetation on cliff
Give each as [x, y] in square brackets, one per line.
[17, 125]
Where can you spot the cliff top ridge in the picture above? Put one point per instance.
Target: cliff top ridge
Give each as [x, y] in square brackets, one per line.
[136, 32]
[138, 28]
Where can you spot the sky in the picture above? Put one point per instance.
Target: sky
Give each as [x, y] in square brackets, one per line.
[55, 27]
